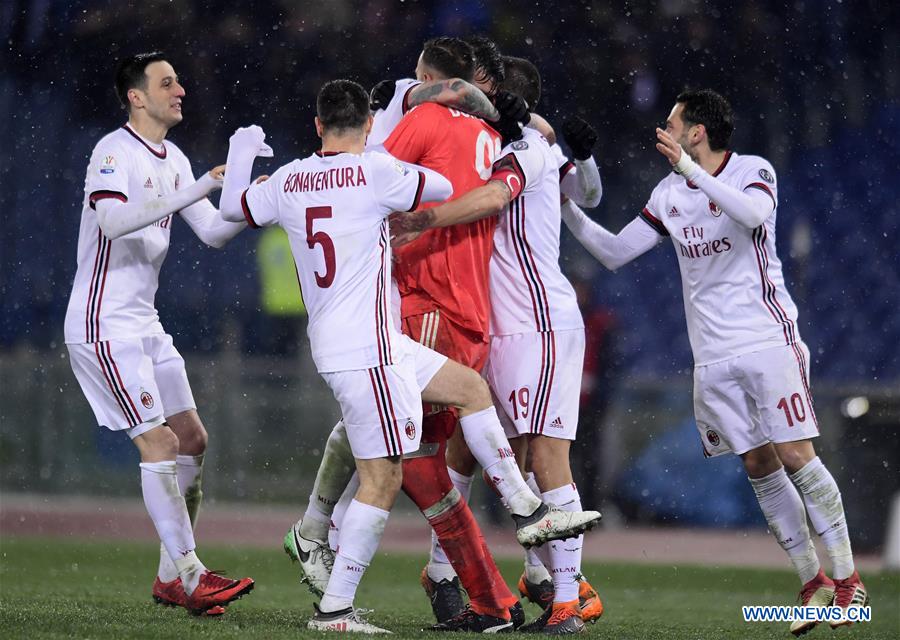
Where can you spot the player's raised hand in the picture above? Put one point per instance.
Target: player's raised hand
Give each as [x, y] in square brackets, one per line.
[513, 116]
[252, 137]
[668, 146]
[381, 94]
[580, 136]
[681, 162]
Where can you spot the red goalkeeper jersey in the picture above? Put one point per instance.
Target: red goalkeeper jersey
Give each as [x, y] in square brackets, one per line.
[448, 268]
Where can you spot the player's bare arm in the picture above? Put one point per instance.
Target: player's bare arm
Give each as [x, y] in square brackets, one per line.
[455, 93]
[543, 127]
[478, 203]
[217, 173]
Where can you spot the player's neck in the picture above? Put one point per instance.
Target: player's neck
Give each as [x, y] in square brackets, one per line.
[710, 160]
[150, 129]
[347, 144]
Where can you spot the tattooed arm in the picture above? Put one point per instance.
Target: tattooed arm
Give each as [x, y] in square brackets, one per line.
[456, 94]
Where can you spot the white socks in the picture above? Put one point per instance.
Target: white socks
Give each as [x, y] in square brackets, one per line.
[189, 471]
[537, 559]
[331, 479]
[784, 512]
[826, 512]
[361, 532]
[565, 555]
[340, 509]
[488, 443]
[439, 567]
[167, 509]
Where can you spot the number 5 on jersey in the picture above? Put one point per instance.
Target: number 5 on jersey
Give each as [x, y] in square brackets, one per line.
[322, 238]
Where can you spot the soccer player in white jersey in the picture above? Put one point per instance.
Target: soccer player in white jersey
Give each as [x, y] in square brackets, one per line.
[537, 333]
[334, 206]
[127, 367]
[751, 369]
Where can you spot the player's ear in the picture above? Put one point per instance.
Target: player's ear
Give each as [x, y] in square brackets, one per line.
[135, 99]
[369, 124]
[700, 134]
[318, 127]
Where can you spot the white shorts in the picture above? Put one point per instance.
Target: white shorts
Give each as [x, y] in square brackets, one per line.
[382, 406]
[132, 385]
[536, 379]
[753, 399]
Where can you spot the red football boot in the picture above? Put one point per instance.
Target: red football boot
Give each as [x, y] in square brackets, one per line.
[171, 594]
[216, 590]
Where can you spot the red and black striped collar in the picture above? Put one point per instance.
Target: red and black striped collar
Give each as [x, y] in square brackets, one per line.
[159, 154]
[324, 154]
[717, 171]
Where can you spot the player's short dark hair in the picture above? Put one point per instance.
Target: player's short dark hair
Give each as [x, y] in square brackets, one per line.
[713, 111]
[342, 104]
[522, 79]
[131, 74]
[488, 59]
[451, 57]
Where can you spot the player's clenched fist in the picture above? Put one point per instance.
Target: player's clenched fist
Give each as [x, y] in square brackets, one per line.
[580, 136]
[382, 94]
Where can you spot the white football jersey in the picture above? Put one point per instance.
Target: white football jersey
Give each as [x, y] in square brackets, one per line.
[735, 298]
[334, 208]
[562, 161]
[116, 280]
[528, 290]
[387, 118]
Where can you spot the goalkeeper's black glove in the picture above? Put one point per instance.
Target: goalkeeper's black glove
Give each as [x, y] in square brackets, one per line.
[514, 115]
[580, 136]
[382, 94]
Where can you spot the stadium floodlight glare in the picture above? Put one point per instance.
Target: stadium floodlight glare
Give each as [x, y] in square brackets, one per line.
[855, 407]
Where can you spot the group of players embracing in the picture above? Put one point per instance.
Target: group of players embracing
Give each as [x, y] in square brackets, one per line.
[426, 234]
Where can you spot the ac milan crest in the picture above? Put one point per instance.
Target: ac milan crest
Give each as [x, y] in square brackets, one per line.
[410, 429]
[713, 437]
[146, 400]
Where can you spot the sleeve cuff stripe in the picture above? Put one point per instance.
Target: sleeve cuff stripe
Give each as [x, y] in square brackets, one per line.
[565, 169]
[654, 222]
[404, 106]
[761, 187]
[103, 195]
[246, 209]
[419, 189]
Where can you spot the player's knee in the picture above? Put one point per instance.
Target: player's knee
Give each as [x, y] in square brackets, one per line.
[388, 480]
[159, 443]
[476, 392]
[761, 462]
[794, 458]
[194, 442]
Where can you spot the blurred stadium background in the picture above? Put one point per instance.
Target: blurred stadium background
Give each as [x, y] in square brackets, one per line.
[816, 88]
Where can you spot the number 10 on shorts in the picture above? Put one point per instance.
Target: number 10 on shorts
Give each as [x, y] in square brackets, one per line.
[796, 407]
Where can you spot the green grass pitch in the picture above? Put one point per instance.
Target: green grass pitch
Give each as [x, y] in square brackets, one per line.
[53, 588]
